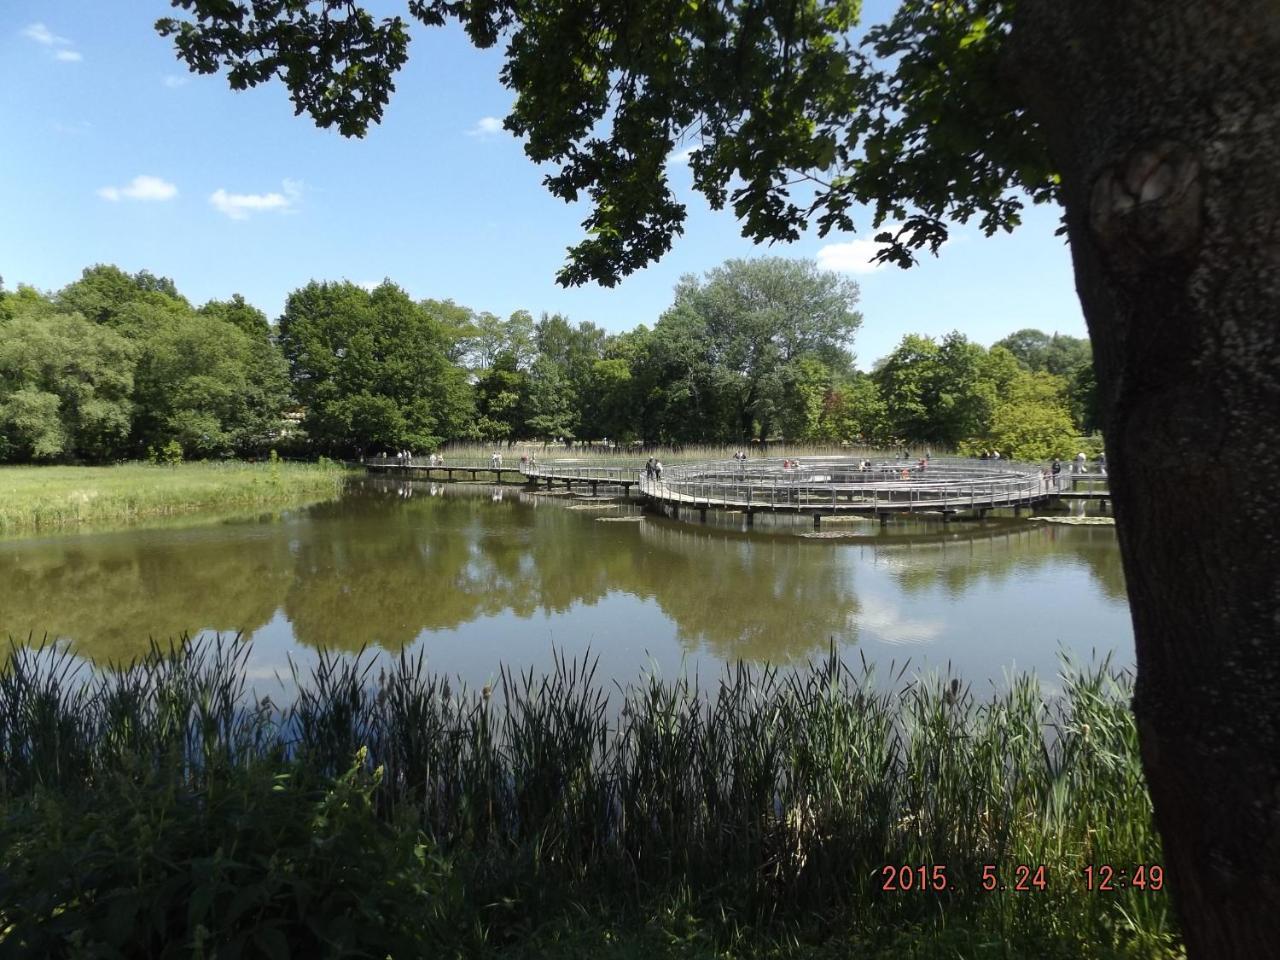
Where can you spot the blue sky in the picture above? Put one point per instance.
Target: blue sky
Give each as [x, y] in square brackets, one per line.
[238, 195]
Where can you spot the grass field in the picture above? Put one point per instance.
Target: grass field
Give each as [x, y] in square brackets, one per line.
[42, 498]
[394, 814]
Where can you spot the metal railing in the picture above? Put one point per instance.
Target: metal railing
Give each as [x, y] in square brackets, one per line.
[849, 484]
[832, 484]
[458, 463]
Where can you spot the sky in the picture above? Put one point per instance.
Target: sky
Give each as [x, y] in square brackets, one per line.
[111, 152]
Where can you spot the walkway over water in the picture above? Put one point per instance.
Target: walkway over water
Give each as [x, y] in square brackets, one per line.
[821, 486]
[824, 486]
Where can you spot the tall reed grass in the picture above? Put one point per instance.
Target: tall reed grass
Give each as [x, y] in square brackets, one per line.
[761, 800]
[670, 453]
[39, 498]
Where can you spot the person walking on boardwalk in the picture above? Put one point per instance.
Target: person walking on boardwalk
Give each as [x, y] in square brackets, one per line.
[648, 468]
[657, 469]
[1056, 469]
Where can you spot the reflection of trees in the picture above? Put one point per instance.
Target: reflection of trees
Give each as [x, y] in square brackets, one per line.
[958, 561]
[367, 570]
[379, 567]
[777, 599]
[110, 592]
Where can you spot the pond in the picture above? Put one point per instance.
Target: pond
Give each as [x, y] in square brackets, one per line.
[480, 576]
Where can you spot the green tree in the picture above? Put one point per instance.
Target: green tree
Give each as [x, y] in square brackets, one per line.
[1068, 357]
[65, 387]
[759, 316]
[1031, 420]
[502, 400]
[855, 411]
[552, 401]
[372, 369]
[940, 392]
[457, 324]
[239, 313]
[103, 292]
[1152, 124]
[210, 385]
[606, 400]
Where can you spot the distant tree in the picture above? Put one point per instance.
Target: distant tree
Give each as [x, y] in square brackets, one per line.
[491, 336]
[1031, 420]
[607, 400]
[1068, 357]
[241, 314]
[65, 387]
[103, 291]
[939, 392]
[552, 401]
[372, 369]
[757, 317]
[854, 410]
[456, 322]
[502, 400]
[211, 385]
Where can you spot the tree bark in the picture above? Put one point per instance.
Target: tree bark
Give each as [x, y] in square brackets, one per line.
[1164, 121]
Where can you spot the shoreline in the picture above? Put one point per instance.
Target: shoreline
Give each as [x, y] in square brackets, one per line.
[39, 499]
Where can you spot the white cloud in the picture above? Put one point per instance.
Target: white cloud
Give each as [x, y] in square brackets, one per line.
[44, 36]
[238, 206]
[486, 127]
[853, 256]
[681, 156]
[141, 188]
[47, 38]
[175, 80]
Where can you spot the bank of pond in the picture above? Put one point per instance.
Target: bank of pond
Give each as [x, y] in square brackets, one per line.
[58, 498]
[168, 808]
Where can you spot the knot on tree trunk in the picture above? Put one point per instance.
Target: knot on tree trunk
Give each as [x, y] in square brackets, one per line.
[1148, 206]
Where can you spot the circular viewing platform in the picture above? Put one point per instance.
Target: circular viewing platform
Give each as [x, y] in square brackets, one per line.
[821, 486]
[829, 485]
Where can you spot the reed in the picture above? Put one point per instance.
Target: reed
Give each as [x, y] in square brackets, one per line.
[41, 498]
[763, 804]
[669, 453]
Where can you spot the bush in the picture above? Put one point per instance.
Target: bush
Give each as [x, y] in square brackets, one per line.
[258, 864]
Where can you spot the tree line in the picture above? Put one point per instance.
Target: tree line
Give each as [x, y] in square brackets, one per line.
[117, 365]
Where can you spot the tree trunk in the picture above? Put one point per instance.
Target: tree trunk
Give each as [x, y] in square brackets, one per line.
[1164, 121]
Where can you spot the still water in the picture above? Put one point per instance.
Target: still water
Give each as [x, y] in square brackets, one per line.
[478, 577]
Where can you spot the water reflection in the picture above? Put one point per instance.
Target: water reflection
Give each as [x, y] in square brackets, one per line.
[487, 574]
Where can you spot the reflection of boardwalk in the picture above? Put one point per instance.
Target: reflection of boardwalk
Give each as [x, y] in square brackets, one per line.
[829, 486]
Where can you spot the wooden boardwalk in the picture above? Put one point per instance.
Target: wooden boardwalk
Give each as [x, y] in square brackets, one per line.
[451, 469]
[816, 486]
[826, 487]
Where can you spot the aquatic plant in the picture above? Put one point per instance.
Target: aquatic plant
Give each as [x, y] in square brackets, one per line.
[804, 805]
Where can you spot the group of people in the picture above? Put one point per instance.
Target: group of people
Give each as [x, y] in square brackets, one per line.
[496, 459]
[653, 469]
[989, 455]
